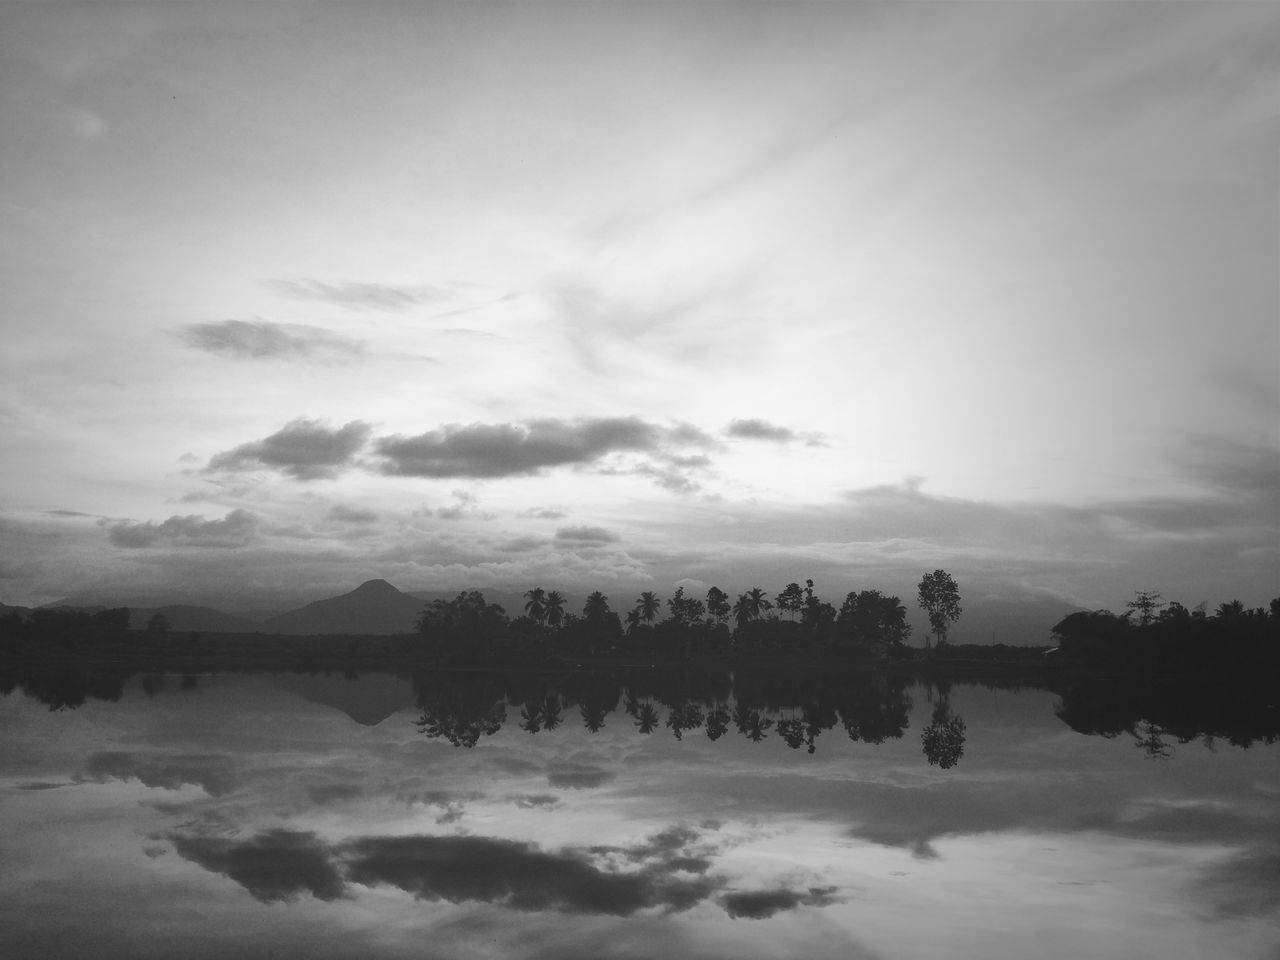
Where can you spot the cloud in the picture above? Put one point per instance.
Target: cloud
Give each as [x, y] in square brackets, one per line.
[355, 296]
[542, 513]
[303, 449]
[521, 449]
[261, 339]
[234, 530]
[526, 801]
[760, 430]
[516, 875]
[345, 514]
[759, 904]
[756, 429]
[1247, 884]
[213, 772]
[328, 792]
[586, 536]
[522, 544]
[273, 866]
[578, 776]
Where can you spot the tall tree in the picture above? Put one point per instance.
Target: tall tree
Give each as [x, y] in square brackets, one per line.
[759, 604]
[554, 605]
[742, 611]
[648, 604]
[939, 597]
[790, 599]
[633, 620]
[536, 607]
[1146, 604]
[718, 604]
[596, 607]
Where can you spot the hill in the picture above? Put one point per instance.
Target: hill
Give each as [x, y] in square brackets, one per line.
[374, 607]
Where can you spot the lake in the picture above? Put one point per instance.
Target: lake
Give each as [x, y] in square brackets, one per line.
[637, 814]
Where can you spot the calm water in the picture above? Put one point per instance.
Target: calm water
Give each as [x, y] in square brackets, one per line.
[282, 816]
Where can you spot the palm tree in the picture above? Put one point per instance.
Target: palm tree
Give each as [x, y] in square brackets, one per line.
[646, 718]
[649, 605]
[758, 602]
[742, 611]
[536, 608]
[633, 620]
[531, 717]
[554, 605]
[551, 711]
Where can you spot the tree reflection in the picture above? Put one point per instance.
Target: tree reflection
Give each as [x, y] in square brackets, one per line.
[1152, 743]
[459, 712]
[943, 739]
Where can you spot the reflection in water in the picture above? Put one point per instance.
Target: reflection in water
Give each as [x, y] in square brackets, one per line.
[463, 708]
[628, 813]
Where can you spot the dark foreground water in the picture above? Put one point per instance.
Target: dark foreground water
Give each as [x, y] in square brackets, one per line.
[294, 816]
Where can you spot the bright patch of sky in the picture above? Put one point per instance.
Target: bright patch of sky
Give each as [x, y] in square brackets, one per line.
[995, 256]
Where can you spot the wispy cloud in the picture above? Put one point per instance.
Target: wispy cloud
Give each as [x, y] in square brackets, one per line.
[355, 296]
[263, 340]
[586, 536]
[542, 513]
[213, 772]
[344, 514]
[303, 449]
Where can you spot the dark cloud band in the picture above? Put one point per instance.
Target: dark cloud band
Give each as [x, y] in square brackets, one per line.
[521, 449]
[304, 449]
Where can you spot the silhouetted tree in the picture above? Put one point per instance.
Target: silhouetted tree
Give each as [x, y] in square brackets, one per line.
[554, 605]
[1229, 610]
[790, 599]
[873, 624]
[939, 597]
[648, 606]
[757, 603]
[596, 607]
[718, 604]
[1146, 604]
[685, 610]
[536, 607]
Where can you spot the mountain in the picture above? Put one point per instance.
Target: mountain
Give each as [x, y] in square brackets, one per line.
[374, 607]
[368, 701]
[187, 618]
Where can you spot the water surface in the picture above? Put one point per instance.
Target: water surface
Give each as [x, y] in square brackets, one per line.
[655, 815]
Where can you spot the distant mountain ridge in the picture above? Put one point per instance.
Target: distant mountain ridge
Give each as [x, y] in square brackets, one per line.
[374, 607]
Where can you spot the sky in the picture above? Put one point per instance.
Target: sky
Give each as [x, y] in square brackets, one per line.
[631, 296]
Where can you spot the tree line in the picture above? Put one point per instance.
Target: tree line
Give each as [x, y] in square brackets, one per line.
[868, 624]
[1153, 635]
